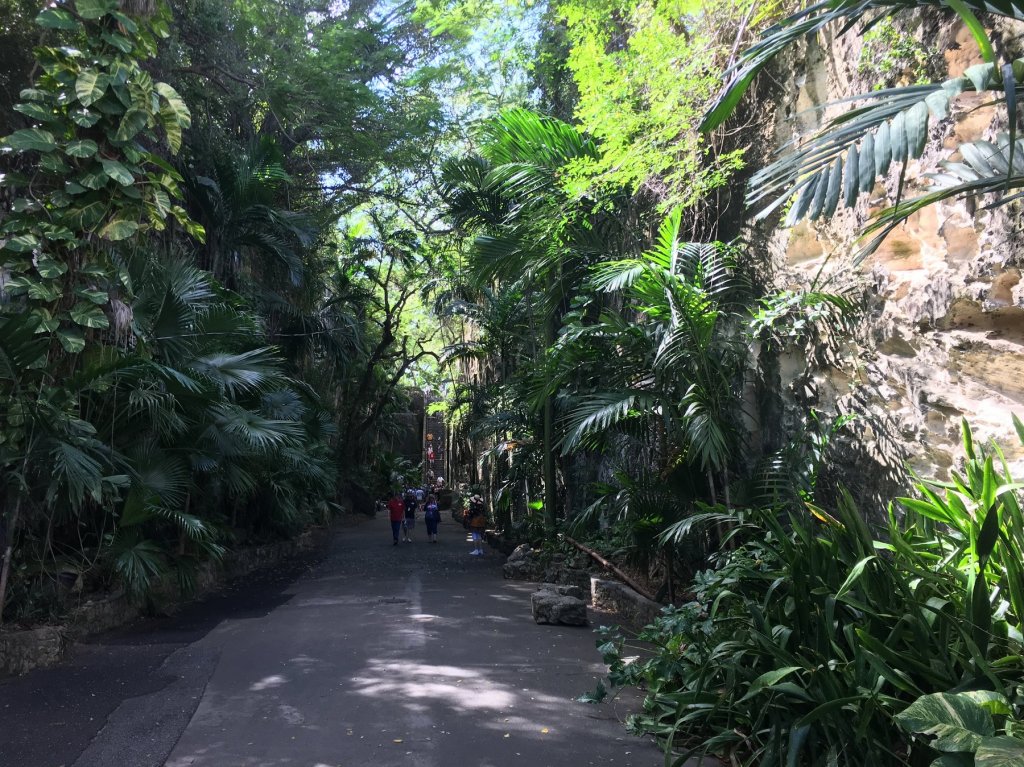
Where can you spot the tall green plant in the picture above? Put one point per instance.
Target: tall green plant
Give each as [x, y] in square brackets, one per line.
[84, 179]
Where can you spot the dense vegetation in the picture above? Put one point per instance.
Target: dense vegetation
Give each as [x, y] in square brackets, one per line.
[235, 233]
[194, 354]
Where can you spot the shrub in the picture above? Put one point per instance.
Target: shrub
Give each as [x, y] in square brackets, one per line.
[813, 634]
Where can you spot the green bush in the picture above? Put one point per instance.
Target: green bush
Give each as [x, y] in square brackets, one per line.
[813, 633]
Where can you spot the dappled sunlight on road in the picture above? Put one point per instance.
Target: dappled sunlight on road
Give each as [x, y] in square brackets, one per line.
[268, 682]
[458, 687]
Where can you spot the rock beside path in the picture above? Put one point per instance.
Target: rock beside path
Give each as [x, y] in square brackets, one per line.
[552, 607]
[523, 564]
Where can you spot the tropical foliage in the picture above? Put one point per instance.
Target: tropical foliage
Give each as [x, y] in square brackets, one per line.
[189, 349]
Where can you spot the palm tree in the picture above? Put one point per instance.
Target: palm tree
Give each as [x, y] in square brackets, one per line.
[532, 236]
[683, 365]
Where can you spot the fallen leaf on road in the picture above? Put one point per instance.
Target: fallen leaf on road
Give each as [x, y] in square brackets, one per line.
[545, 730]
[398, 740]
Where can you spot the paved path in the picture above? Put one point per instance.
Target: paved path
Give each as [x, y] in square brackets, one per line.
[416, 655]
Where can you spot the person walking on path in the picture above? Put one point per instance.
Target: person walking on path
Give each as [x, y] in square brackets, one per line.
[410, 515]
[476, 521]
[396, 514]
[431, 518]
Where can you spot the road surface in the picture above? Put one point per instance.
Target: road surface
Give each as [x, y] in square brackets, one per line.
[368, 654]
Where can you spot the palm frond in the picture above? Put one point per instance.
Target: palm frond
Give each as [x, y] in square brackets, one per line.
[602, 411]
[986, 168]
[845, 14]
[246, 372]
[253, 430]
[21, 348]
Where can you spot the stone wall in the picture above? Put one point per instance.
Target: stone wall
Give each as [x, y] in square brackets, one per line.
[942, 336]
[22, 651]
[632, 608]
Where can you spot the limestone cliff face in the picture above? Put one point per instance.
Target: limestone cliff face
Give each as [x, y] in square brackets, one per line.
[943, 332]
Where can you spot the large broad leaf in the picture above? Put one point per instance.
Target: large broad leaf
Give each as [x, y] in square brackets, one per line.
[89, 315]
[95, 9]
[36, 111]
[118, 172]
[87, 214]
[71, 339]
[22, 243]
[56, 18]
[31, 139]
[999, 752]
[956, 721]
[174, 115]
[82, 148]
[90, 86]
[119, 229]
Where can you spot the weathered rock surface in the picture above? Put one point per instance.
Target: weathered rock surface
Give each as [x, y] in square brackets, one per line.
[941, 336]
[551, 607]
[22, 651]
[524, 564]
[563, 589]
[634, 609]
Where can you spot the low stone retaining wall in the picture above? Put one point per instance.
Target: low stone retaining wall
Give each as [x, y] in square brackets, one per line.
[619, 598]
[22, 651]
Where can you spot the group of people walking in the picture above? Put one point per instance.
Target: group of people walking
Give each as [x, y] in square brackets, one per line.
[402, 508]
[402, 513]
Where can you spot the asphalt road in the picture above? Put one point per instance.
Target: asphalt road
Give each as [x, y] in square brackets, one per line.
[367, 654]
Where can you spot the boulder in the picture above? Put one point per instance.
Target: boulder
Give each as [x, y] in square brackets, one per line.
[523, 564]
[521, 552]
[568, 576]
[561, 609]
[566, 590]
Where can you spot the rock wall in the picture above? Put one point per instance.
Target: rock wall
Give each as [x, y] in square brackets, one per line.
[942, 336]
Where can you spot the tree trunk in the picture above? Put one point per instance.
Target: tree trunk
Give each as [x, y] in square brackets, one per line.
[5, 569]
[550, 490]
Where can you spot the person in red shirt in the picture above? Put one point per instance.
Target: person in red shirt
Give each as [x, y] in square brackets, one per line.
[396, 513]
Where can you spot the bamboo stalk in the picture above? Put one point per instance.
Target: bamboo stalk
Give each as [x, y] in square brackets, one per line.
[606, 564]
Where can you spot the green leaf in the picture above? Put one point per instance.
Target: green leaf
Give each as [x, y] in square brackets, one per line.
[956, 721]
[98, 297]
[174, 115]
[56, 18]
[88, 215]
[90, 86]
[133, 121]
[162, 203]
[974, 25]
[1001, 751]
[768, 679]
[22, 243]
[95, 9]
[91, 179]
[71, 339]
[47, 322]
[31, 140]
[119, 229]
[36, 111]
[851, 579]
[50, 269]
[89, 315]
[118, 172]
[84, 117]
[120, 42]
[82, 148]
[993, 702]
[54, 163]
